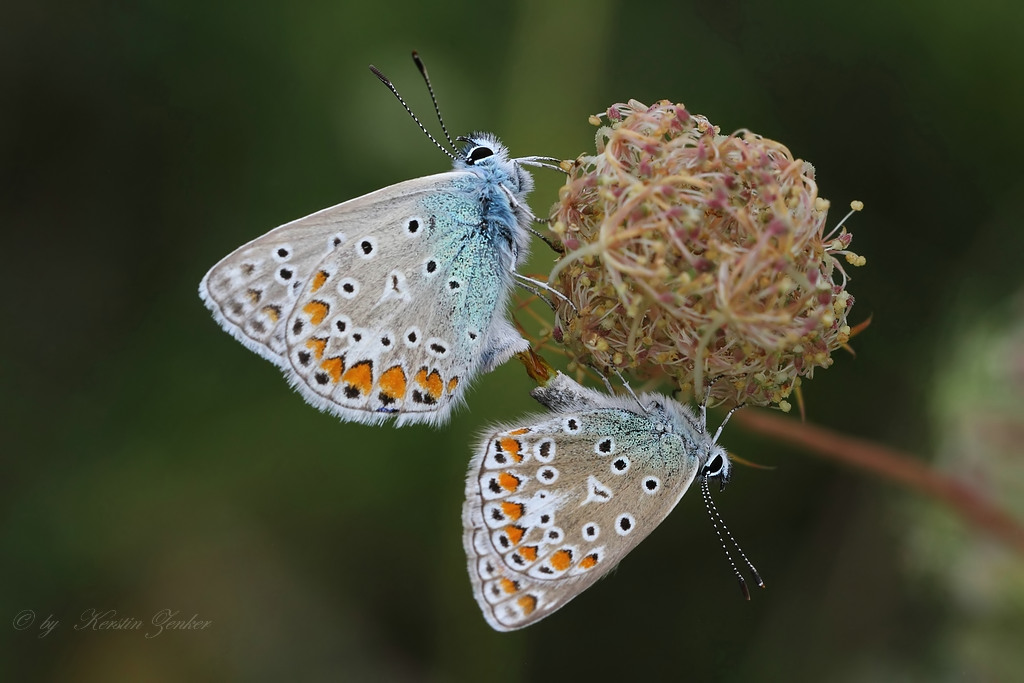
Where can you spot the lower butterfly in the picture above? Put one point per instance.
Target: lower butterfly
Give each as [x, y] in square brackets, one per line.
[389, 305]
[555, 501]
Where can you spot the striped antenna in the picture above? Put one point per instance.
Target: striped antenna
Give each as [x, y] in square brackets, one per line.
[394, 91]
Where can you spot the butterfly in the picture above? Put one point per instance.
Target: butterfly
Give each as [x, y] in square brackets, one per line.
[555, 501]
[388, 305]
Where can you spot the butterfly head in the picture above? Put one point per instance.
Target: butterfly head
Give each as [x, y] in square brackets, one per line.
[485, 155]
[667, 415]
[481, 149]
[717, 466]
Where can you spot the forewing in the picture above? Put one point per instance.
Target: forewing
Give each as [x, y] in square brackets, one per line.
[253, 290]
[398, 320]
[551, 507]
[384, 305]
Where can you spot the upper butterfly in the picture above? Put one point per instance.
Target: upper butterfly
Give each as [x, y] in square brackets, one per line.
[388, 304]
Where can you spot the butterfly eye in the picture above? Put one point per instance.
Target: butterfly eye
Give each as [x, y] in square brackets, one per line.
[714, 467]
[478, 153]
[717, 467]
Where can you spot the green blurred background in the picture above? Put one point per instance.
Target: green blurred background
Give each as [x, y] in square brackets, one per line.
[151, 462]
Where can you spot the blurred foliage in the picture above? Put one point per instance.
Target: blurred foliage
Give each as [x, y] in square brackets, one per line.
[150, 462]
[979, 404]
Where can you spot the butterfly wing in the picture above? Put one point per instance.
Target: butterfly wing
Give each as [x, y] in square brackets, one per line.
[387, 304]
[552, 505]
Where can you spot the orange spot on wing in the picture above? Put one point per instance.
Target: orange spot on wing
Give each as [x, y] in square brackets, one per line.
[514, 533]
[588, 561]
[508, 585]
[318, 280]
[512, 510]
[272, 312]
[528, 553]
[334, 367]
[360, 376]
[254, 295]
[317, 311]
[512, 447]
[431, 383]
[452, 383]
[519, 432]
[392, 382]
[527, 603]
[561, 560]
[507, 481]
[317, 346]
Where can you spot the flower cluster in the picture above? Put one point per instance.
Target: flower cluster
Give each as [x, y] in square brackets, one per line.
[699, 256]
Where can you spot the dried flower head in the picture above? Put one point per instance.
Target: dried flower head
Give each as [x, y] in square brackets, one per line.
[698, 255]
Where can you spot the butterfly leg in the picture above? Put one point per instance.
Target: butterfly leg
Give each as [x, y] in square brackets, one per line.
[550, 163]
[718, 432]
[532, 285]
[604, 379]
[630, 390]
[704, 410]
[558, 249]
[535, 292]
[704, 403]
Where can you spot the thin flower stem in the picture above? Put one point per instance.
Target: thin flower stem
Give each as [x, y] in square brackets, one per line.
[892, 464]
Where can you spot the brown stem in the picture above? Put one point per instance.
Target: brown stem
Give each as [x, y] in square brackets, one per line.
[536, 367]
[892, 464]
